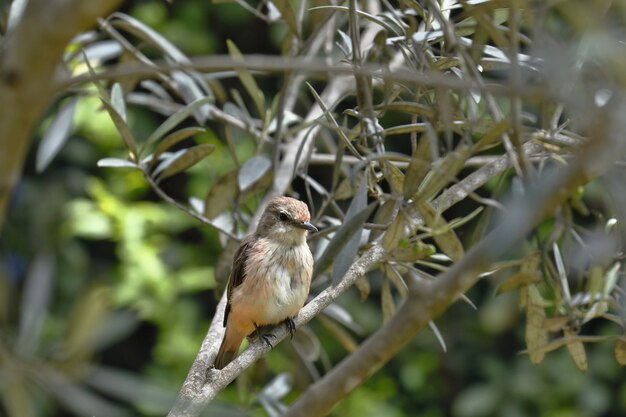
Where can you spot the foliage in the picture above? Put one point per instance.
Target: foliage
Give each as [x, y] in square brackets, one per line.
[401, 125]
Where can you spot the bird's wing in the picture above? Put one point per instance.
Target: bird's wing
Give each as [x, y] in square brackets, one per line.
[238, 271]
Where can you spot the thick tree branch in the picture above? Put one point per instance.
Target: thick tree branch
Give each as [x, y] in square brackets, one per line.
[429, 300]
[30, 75]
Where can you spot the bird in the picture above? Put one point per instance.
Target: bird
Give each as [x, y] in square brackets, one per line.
[270, 277]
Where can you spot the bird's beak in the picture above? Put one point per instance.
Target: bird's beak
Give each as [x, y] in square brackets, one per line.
[307, 225]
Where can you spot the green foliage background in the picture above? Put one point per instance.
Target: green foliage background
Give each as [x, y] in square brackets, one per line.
[133, 284]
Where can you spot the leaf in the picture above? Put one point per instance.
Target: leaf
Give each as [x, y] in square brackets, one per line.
[117, 101]
[518, 280]
[576, 350]
[392, 274]
[252, 171]
[443, 234]
[35, 300]
[495, 133]
[182, 160]
[288, 14]
[445, 169]
[247, 79]
[173, 121]
[411, 251]
[419, 165]
[384, 215]
[221, 195]
[341, 237]
[394, 177]
[122, 128]
[342, 336]
[172, 139]
[362, 283]
[536, 335]
[620, 350]
[387, 304]
[56, 135]
[145, 32]
[348, 251]
[396, 232]
[368, 16]
[116, 163]
[555, 324]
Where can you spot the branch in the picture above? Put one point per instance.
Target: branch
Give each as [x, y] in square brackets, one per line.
[29, 75]
[427, 301]
[194, 396]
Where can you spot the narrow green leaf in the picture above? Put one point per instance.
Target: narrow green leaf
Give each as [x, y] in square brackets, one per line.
[172, 139]
[173, 121]
[492, 135]
[122, 128]
[576, 350]
[247, 79]
[347, 253]
[55, 137]
[116, 163]
[394, 177]
[182, 160]
[536, 335]
[396, 232]
[286, 10]
[445, 169]
[375, 19]
[117, 101]
[341, 238]
[620, 350]
[443, 234]
[221, 195]
[421, 161]
[520, 279]
[388, 306]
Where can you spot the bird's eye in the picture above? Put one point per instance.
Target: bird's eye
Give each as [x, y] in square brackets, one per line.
[283, 216]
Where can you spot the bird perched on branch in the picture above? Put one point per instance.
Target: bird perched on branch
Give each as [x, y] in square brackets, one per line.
[271, 275]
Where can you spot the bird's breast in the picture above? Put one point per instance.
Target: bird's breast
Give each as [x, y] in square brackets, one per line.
[278, 278]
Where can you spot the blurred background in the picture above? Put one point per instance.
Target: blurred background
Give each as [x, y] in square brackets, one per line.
[106, 292]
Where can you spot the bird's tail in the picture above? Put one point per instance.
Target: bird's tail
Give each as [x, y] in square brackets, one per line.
[228, 349]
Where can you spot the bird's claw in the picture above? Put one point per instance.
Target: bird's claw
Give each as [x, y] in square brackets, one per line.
[291, 326]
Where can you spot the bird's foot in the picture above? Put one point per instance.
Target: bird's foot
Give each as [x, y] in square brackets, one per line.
[262, 333]
[291, 326]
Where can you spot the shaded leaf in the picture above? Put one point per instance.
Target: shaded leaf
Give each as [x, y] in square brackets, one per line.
[443, 234]
[555, 324]
[375, 19]
[56, 135]
[343, 337]
[172, 139]
[396, 232]
[308, 344]
[620, 350]
[288, 14]
[341, 237]
[221, 195]
[181, 160]
[363, 285]
[394, 177]
[536, 335]
[252, 171]
[493, 134]
[518, 280]
[345, 255]
[394, 277]
[576, 350]
[387, 304]
[445, 169]
[173, 121]
[419, 165]
[384, 216]
[438, 335]
[35, 300]
[247, 79]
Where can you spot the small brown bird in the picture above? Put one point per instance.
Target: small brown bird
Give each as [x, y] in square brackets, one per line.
[271, 275]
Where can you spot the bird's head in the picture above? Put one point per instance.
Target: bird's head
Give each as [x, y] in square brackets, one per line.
[285, 220]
